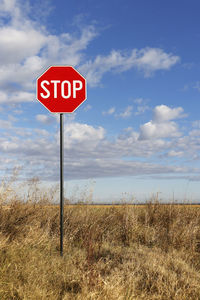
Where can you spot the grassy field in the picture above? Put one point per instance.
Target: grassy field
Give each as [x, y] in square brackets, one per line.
[110, 252]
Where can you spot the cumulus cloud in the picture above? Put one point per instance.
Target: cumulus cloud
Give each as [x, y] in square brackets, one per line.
[16, 45]
[148, 60]
[153, 59]
[90, 153]
[30, 63]
[27, 49]
[161, 126]
[82, 135]
[10, 8]
[85, 157]
[158, 130]
[163, 113]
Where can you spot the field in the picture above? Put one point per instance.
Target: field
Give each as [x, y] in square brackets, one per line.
[110, 252]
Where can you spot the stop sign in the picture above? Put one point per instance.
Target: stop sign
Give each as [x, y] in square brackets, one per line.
[61, 89]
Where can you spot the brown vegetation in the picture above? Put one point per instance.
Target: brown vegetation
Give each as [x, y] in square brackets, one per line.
[125, 252]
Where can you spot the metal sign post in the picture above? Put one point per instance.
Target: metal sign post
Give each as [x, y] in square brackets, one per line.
[61, 89]
[61, 183]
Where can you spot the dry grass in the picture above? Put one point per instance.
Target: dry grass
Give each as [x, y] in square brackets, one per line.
[125, 252]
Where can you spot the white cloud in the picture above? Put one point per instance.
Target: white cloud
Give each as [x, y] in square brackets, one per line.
[42, 132]
[109, 111]
[163, 113]
[141, 106]
[23, 132]
[16, 45]
[27, 49]
[115, 168]
[50, 50]
[89, 153]
[195, 132]
[3, 97]
[152, 130]
[82, 134]
[44, 119]
[161, 126]
[7, 5]
[84, 157]
[141, 109]
[22, 97]
[9, 146]
[16, 97]
[67, 49]
[153, 59]
[11, 8]
[148, 59]
[126, 113]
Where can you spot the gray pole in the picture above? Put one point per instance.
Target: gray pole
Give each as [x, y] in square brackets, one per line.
[61, 183]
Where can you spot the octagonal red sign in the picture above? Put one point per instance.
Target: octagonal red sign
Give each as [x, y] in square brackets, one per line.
[61, 89]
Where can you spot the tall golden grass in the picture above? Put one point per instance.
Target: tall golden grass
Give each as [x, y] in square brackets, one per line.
[110, 252]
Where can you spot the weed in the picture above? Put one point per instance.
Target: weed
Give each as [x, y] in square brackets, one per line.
[110, 252]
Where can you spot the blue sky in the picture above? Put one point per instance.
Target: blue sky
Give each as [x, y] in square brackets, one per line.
[138, 132]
